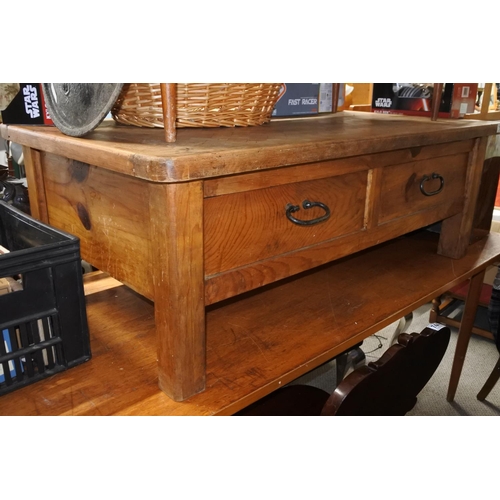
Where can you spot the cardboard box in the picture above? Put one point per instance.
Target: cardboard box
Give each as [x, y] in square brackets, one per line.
[302, 99]
[27, 107]
[415, 99]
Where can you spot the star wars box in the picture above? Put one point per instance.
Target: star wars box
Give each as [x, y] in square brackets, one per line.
[415, 99]
[26, 107]
[302, 99]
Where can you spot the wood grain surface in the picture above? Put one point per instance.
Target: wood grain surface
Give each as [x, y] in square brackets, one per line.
[248, 227]
[204, 153]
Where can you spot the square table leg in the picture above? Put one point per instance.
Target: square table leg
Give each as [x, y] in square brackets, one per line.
[176, 213]
[465, 331]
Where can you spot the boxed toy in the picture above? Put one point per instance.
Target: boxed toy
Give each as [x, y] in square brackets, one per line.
[7, 348]
[415, 99]
[299, 99]
[26, 107]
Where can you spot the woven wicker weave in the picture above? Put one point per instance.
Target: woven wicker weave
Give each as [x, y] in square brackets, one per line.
[198, 104]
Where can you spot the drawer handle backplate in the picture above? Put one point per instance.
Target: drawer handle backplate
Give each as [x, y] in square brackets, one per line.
[426, 178]
[290, 209]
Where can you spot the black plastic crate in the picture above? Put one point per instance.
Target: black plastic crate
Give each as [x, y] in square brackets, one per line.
[43, 326]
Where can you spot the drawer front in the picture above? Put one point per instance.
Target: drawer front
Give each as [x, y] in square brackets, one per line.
[422, 186]
[247, 227]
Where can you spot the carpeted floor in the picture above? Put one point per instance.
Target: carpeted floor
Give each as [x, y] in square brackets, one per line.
[479, 362]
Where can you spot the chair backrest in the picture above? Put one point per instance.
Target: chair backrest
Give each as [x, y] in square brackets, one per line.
[386, 387]
[390, 385]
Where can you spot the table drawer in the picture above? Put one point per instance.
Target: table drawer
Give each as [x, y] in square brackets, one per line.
[422, 186]
[246, 227]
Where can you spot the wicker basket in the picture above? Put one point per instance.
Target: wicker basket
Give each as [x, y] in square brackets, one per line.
[198, 104]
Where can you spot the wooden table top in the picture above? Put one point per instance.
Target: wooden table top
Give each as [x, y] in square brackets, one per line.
[202, 153]
[255, 344]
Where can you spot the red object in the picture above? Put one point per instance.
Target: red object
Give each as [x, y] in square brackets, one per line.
[458, 101]
[497, 198]
[461, 290]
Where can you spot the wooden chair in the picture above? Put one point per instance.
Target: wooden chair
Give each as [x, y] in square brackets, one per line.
[494, 314]
[448, 309]
[445, 310]
[490, 383]
[386, 387]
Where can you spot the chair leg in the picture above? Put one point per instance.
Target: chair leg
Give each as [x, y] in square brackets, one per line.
[490, 383]
[348, 362]
[434, 312]
[403, 324]
[341, 367]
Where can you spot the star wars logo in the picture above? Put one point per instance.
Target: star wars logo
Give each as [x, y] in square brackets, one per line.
[383, 102]
[31, 101]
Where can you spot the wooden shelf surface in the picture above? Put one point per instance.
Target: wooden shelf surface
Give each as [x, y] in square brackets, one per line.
[201, 153]
[256, 342]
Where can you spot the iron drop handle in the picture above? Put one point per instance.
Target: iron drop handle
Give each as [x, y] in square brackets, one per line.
[426, 178]
[290, 209]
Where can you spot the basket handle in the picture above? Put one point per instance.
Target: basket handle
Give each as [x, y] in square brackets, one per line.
[169, 108]
[335, 97]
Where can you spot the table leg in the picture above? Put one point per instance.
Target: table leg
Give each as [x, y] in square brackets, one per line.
[456, 230]
[465, 331]
[176, 214]
[34, 176]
